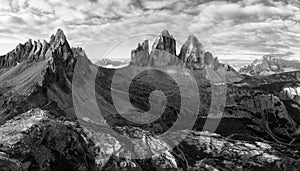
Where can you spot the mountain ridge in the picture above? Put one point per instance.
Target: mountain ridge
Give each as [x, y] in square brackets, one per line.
[163, 53]
[270, 64]
[39, 71]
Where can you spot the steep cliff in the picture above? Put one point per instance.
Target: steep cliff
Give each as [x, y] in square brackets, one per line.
[192, 53]
[38, 75]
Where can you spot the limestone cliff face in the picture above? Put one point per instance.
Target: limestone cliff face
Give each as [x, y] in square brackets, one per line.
[163, 51]
[38, 74]
[140, 56]
[192, 53]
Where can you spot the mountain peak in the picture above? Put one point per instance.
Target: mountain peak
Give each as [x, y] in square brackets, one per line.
[140, 55]
[166, 33]
[57, 48]
[192, 52]
[59, 37]
[60, 33]
[192, 37]
[163, 50]
[270, 64]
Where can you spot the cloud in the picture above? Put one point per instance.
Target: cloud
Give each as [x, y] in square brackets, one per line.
[235, 26]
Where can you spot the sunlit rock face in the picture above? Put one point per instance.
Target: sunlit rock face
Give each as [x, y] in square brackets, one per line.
[290, 93]
[192, 53]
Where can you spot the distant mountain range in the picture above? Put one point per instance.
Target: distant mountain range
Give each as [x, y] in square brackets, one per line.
[112, 63]
[269, 65]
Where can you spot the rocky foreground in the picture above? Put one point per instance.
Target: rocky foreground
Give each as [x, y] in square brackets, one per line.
[40, 130]
[36, 140]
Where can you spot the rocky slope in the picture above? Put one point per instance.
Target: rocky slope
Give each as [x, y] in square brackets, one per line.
[38, 75]
[40, 131]
[37, 141]
[270, 65]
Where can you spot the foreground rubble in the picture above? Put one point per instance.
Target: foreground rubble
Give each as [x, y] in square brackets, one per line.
[37, 141]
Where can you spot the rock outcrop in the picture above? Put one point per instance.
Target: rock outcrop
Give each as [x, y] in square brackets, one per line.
[163, 53]
[37, 141]
[140, 56]
[192, 53]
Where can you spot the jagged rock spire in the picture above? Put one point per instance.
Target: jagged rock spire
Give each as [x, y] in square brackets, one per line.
[166, 42]
[59, 37]
[140, 56]
[57, 49]
[192, 53]
[208, 58]
[163, 50]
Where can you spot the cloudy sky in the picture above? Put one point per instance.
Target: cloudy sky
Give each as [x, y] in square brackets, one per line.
[241, 30]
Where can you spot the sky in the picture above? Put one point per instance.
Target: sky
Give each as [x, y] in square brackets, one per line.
[232, 30]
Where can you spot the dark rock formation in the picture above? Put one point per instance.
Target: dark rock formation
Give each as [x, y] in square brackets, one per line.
[37, 51]
[37, 75]
[140, 56]
[165, 42]
[198, 151]
[36, 141]
[163, 51]
[208, 59]
[192, 53]
[207, 151]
